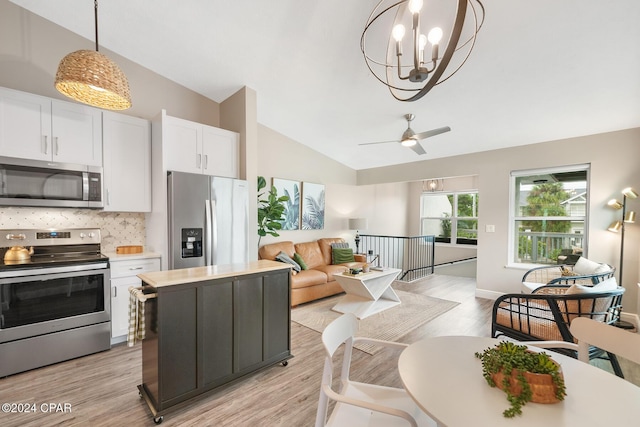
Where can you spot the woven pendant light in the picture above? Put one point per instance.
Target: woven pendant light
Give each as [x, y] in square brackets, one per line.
[90, 77]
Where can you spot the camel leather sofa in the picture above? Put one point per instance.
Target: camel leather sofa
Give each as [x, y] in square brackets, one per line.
[317, 280]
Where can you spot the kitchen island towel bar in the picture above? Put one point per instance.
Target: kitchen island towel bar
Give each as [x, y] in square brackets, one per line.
[137, 299]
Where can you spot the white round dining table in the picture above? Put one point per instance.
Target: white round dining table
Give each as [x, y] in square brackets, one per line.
[443, 376]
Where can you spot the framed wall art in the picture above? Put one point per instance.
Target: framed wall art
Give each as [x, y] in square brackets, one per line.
[312, 206]
[289, 188]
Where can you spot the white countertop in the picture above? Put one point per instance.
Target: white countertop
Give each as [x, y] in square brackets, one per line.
[142, 255]
[159, 279]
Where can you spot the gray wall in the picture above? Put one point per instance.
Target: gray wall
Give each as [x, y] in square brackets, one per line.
[614, 165]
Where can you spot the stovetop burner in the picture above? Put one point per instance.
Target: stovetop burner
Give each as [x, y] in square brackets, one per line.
[52, 247]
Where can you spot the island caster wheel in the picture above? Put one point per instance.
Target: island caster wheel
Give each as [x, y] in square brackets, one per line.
[158, 420]
[285, 363]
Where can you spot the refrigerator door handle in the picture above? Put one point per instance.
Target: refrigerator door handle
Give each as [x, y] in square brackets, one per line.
[207, 233]
[214, 232]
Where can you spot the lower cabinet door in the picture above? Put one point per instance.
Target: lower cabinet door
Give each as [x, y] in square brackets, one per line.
[120, 304]
[217, 333]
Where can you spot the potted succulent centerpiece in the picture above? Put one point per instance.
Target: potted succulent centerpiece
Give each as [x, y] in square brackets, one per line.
[524, 375]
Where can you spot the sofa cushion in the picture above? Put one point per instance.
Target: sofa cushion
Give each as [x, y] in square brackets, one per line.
[331, 270]
[310, 253]
[341, 255]
[282, 257]
[271, 250]
[325, 247]
[308, 278]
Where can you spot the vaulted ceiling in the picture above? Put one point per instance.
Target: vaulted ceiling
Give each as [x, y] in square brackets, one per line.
[541, 70]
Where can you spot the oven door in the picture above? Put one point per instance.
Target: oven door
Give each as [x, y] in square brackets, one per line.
[47, 300]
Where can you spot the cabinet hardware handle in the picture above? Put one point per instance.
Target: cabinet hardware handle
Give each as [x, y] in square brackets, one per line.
[206, 161]
[115, 292]
[46, 145]
[55, 139]
[198, 160]
[135, 268]
[108, 198]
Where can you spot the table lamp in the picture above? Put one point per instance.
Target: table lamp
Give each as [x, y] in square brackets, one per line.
[357, 224]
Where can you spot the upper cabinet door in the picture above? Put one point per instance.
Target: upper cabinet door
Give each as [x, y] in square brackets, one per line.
[219, 152]
[77, 133]
[25, 125]
[127, 163]
[182, 141]
[40, 128]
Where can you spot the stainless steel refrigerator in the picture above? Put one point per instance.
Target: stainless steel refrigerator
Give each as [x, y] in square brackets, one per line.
[208, 220]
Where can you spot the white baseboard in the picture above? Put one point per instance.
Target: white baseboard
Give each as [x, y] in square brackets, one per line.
[487, 294]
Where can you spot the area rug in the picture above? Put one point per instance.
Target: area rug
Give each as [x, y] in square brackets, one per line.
[390, 325]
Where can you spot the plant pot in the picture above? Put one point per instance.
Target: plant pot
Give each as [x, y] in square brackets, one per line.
[543, 390]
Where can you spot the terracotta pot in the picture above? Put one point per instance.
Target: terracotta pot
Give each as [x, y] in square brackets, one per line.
[543, 390]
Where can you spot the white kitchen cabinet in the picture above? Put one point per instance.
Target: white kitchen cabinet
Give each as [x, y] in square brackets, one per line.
[127, 163]
[40, 128]
[197, 148]
[219, 152]
[124, 275]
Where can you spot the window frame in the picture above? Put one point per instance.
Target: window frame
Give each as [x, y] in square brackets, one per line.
[457, 241]
[513, 218]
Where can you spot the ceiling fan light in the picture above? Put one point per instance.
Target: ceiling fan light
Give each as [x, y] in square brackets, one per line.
[409, 142]
[90, 77]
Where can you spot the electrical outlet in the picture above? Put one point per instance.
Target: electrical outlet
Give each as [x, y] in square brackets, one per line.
[370, 252]
[490, 228]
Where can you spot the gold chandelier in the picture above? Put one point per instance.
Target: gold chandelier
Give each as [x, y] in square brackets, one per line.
[454, 25]
[90, 77]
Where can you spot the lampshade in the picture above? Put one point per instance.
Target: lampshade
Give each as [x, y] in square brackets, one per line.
[615, 226]
[630, 193]
[614, 204]
[91, 78]
[630, 217]
[358, 223]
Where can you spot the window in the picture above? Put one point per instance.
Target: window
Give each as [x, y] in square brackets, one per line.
[549, 215]
[450, 214]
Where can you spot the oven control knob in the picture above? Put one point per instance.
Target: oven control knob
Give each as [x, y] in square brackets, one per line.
[82, 235]
[92, 235]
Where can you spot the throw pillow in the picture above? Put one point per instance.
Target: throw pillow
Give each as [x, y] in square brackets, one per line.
[341, 245]
[282, 257]
[585, 267]
[297, 258]
[604, 286]
[342, 255]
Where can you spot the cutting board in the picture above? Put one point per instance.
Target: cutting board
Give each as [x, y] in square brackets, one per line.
[131, 249]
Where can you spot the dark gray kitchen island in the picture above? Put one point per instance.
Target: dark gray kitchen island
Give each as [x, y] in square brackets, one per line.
[208, 326]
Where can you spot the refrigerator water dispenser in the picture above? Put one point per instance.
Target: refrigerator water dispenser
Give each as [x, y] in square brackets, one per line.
[191, 242]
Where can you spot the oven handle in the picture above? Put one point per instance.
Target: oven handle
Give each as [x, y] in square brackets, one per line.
[52, 270]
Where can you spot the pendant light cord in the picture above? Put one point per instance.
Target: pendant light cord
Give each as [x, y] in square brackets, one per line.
[95, 8]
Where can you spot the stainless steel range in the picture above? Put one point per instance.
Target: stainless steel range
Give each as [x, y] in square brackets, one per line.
[54, 299]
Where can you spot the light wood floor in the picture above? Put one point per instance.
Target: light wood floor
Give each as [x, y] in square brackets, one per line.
[102, 388]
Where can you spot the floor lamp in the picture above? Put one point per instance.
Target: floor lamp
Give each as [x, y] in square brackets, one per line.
[619, 226]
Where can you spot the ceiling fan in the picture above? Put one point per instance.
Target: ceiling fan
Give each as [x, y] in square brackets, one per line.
[411, 139]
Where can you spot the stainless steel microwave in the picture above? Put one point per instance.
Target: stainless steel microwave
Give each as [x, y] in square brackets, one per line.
[40, 183]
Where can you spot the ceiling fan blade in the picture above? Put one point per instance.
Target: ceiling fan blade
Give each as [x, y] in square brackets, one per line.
[432, 132]
[379, 142]
[418, 149]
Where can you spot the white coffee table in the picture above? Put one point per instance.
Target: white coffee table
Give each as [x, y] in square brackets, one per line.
[367, 293]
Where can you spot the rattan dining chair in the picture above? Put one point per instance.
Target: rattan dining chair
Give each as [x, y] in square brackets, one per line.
[357, 403]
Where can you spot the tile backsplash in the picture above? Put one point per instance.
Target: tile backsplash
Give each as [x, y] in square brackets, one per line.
[117, 228]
